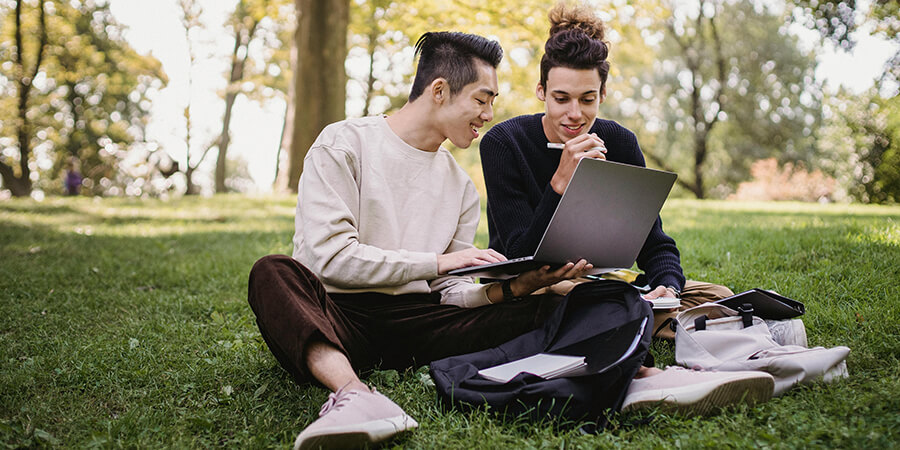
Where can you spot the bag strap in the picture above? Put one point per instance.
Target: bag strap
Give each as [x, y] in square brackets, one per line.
[713, 310]
[746, 311]
[700, 323]
[669, 322]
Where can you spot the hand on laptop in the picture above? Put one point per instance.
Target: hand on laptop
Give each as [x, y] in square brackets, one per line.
[468, 257]
[533, 280]
[583, 146]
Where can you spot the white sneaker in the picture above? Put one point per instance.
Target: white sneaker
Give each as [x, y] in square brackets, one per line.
[352, 419]
[788, 332]
[696, 392]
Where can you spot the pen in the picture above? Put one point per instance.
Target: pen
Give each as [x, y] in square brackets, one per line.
[558, 146]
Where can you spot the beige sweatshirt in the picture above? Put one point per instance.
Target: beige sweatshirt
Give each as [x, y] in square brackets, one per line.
[373, 213]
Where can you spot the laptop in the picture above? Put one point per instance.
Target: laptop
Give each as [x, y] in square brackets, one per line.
[604, 217]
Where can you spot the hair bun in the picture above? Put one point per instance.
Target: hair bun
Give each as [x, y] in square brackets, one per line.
[563, 18]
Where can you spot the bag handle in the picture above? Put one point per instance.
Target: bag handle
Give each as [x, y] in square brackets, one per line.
[746, 311]
[700, 323]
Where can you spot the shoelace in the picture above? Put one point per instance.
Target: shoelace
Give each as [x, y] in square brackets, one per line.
[336, 400]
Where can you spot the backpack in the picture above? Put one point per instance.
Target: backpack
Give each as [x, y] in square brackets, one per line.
[605, 321]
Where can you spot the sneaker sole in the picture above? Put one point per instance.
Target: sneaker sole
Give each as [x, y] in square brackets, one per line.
[707, 399]
[357, 435]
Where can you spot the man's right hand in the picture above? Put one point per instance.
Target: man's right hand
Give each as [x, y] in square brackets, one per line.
[584, 146]
[466, 258]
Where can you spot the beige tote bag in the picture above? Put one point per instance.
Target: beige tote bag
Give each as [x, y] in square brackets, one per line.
[714, 337]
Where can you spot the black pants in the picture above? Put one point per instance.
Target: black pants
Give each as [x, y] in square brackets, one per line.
[372, 329]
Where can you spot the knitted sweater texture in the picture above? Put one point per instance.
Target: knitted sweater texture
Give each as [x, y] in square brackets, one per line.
[517, 169]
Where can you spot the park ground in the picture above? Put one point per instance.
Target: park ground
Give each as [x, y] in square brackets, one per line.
[124, 323]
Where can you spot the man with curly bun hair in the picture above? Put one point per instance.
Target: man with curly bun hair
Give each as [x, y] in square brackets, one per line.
[526, 175]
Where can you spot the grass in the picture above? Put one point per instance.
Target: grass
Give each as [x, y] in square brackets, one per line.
[124, 323]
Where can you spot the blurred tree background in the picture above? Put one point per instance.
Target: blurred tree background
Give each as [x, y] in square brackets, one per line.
[724, 92]
[71, 87]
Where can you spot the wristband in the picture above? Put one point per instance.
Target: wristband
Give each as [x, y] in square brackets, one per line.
[675, 290]
[506, 287]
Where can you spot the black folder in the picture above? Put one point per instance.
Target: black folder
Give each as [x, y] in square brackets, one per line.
[766, 304]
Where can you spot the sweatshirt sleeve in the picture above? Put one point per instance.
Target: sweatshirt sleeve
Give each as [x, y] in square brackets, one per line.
[455, 290]
[516, 223]
[327, 229]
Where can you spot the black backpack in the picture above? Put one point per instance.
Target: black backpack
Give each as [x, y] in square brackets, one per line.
[605, 321]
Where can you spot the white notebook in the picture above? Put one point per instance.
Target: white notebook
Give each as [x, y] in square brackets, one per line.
[664, 302]
[544, 365]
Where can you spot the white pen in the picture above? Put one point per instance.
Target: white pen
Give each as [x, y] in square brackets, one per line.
[558, 146]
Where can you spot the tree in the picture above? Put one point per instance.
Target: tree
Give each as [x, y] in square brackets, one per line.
[103, 85]
[318, 89]
[719, 97]
[273, 79]
[190, 20]
[375, 42]
[85, 96]
[521, 27]
[836, 20]
[23, 77]
[382, 33]
[248, 23]
[243, 22]
[860, 145]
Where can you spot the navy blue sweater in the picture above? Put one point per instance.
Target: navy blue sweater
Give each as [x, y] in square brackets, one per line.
[518, 167]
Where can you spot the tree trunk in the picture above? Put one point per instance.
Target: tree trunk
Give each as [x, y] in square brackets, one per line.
[190, 187]
[319, 80]
[288, 114]
[699, 159]
[20, 186]
[242, 38]
[373, 45]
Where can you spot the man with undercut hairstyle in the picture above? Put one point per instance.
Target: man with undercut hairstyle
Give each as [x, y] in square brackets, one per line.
[383, 213]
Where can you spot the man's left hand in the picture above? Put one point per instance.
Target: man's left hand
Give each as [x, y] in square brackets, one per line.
[533, 280]
[661, 291]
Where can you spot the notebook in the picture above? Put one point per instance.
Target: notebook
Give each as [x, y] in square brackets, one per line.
[549, 366]
[544, 365]
[766, 304]
[604, 216]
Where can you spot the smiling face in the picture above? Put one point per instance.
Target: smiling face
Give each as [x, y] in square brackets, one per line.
[571, 99]
[469, 109]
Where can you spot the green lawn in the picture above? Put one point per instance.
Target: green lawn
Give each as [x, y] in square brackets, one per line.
[124, 323]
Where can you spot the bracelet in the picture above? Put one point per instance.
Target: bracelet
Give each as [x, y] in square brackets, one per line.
[506, 287]
[675, 290]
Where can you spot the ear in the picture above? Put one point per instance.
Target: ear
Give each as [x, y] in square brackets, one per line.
[602, 94]
[440, 90]
[539, 91]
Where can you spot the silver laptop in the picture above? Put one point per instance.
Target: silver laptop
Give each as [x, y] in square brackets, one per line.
[604, 217]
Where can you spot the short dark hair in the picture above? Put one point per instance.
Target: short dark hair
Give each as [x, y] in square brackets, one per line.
[576, 42]
[451, 55]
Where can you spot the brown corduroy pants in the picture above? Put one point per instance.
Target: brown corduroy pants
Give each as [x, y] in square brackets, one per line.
[694, 293]
[373, 329]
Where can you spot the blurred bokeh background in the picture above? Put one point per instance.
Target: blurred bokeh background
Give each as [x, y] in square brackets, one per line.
[754, 100]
